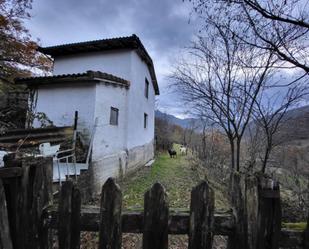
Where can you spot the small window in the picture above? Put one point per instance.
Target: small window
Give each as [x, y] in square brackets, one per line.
[145, 120]
[114, 116]
[146, 88]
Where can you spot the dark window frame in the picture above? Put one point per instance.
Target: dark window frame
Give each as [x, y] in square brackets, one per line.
[146, 92]
[145, 120]
[112, 120]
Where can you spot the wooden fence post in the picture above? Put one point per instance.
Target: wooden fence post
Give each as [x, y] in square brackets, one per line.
[27, 196]
[239, 238]
[41, 196]
[110, 216]
[201, 217]
[306, 235]
[65, 213]
[12, 195]
[5, 237]
[269, 216]
[69, 216]
[251, 210]
[75, 219]
[155, 234]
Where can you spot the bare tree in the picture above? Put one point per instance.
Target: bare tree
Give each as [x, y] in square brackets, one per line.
[218, 83]
[279, 26]
[270, 114]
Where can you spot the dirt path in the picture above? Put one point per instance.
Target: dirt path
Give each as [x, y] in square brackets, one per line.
[175, 174]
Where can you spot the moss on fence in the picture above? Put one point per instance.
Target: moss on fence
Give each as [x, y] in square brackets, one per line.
[300, 226]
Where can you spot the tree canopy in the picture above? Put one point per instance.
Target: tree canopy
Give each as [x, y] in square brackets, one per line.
[18, 50]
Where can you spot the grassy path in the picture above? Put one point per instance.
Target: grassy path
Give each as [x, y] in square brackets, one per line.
[175, 174]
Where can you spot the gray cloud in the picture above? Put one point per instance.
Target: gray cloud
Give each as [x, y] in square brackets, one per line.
[162, 25]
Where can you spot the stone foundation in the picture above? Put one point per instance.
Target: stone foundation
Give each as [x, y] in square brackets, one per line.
[117, 165]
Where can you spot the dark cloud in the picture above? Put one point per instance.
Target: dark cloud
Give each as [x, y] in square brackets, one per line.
[162, 25]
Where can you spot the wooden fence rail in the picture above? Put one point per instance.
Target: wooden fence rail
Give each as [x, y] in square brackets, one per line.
[27, 214]
[132, 221]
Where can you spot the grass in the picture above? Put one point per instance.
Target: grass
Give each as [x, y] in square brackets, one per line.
[175, 174]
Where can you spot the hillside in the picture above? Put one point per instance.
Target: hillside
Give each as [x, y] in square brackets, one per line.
[296, 125]
[294, 128]
[184, 123]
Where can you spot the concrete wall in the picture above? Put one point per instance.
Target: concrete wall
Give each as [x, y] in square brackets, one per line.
[60, 102]
[118, 164]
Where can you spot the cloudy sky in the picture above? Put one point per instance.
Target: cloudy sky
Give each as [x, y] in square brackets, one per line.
[164, 26]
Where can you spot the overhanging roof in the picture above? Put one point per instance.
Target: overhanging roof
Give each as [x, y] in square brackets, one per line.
[89, 76]
[130, 42]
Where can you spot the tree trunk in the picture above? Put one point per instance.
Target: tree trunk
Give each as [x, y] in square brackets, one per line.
[238, 154]
[232, 154]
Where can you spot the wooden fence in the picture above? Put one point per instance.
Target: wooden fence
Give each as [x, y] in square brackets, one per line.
[27, 214]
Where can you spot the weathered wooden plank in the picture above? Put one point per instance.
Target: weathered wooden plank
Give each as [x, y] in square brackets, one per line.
[290, 238]
[10, 172]
[155, 234]
[251, 208]
[16, 208]
[201, 217]
[306, 235]
[132, 221]
[75, 224]
[25, 215]
[269, 217]
[110, 216]
[65, 212]
[42, 197]
[238, 240]
[5, 236]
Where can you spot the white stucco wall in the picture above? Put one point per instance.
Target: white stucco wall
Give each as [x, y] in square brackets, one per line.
[139, 104]
[59, 103]
[128, 65]
[110, 139]
[112, 62]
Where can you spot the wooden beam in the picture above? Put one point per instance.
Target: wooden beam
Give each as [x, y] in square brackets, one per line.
[10, 172]
[132, 221]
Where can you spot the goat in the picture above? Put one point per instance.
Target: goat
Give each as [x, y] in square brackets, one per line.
[183, 150]
[172, 153]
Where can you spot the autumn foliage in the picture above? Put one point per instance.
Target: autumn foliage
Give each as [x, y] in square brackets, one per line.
[18, 55]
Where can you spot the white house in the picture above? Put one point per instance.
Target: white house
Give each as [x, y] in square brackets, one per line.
[113, 81]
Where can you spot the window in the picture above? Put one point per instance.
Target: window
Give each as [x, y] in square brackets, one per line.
[114, 116]
[145, 120]
[146, 88]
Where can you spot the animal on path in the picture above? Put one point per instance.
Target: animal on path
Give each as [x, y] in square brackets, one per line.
[183, 150]
[172, 153]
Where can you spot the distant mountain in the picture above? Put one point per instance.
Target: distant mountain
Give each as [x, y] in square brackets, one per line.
[294, 127]
[296, 124]
[184, 123]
